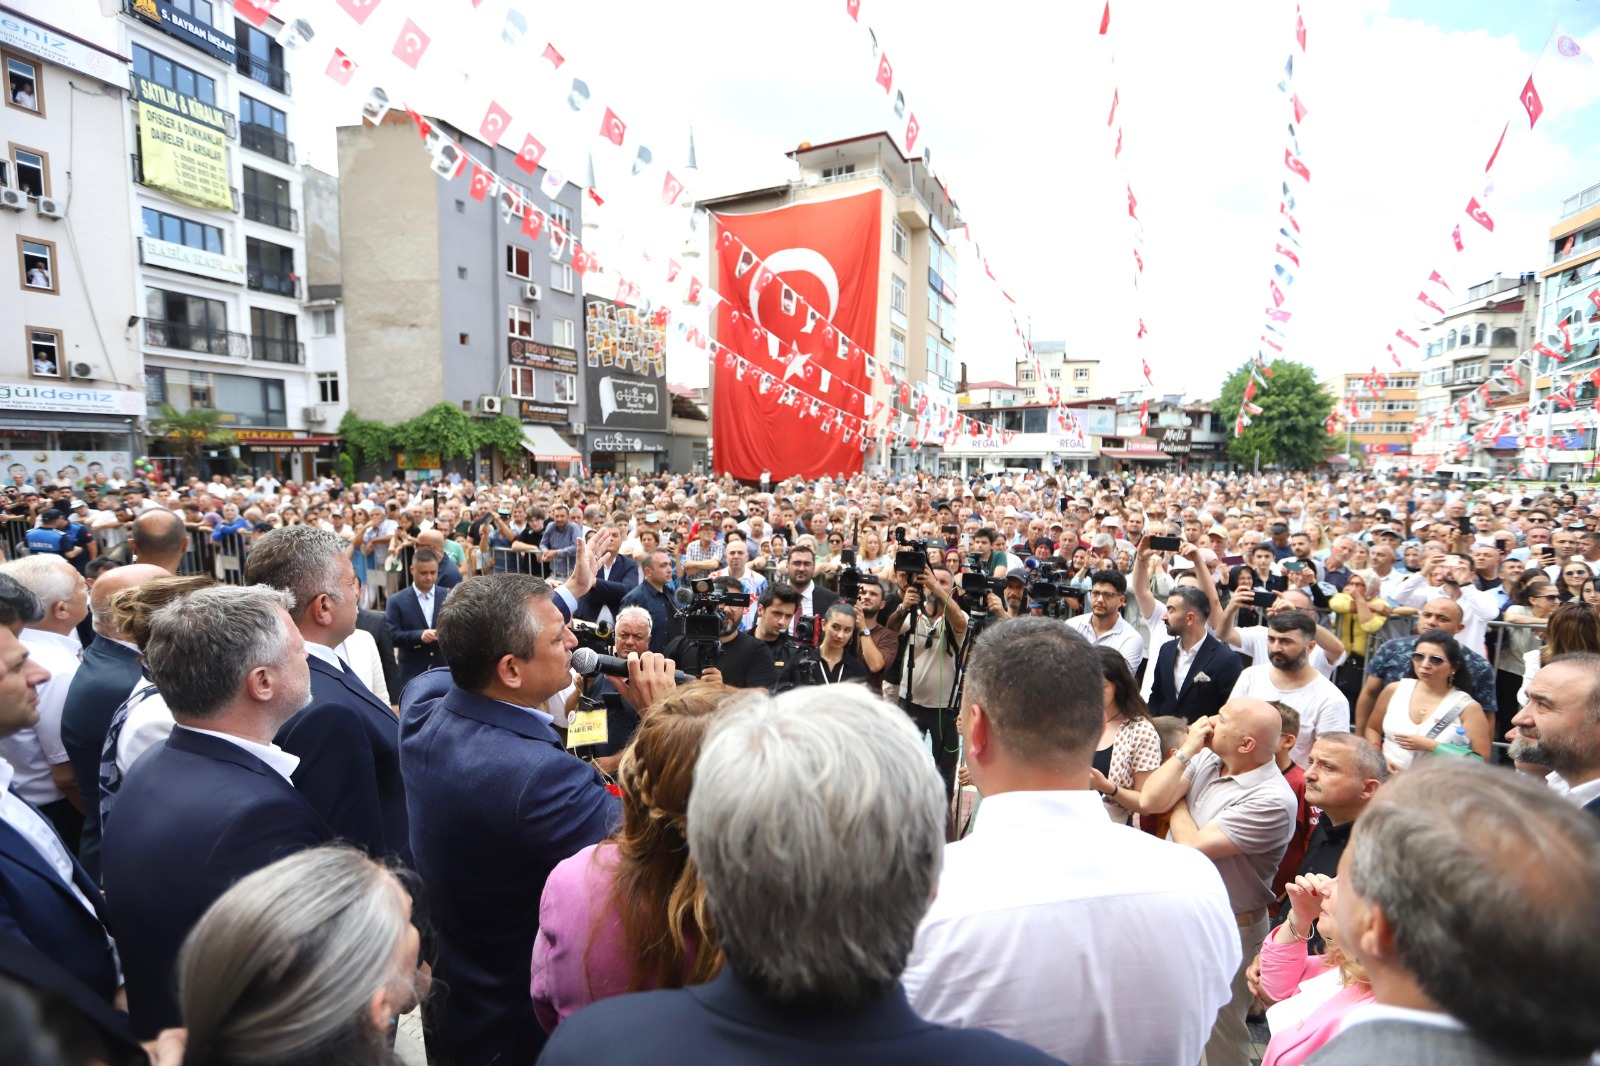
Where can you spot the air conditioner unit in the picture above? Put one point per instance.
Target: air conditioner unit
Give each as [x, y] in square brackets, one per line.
[85, 371]
[532, 293]
[489, 405]
[14, 199]
[578, 429]
[314, 416]
[49, 208]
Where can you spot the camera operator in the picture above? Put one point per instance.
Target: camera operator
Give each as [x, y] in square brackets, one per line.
[885, 638]
[738, 660]
[845, 652]
[934, 638]
[1014, 603]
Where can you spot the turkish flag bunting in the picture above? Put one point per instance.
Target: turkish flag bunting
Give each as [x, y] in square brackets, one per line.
[581, 259]
[532, 151]
[482, 182]
[913, 130]
[1476, 212]
[1402, 335]
[1279, 316]
[1113, 116]
[1118, 153]
[495, 121]
[1438, 279]
[1424, 298]
[359, 9]
[853, 7]
[1105, 19]
[411, 44]
[671, 189]
[673, 267]
[1455, 236]
[255, 12]
[1289, 255]
[612, 128]
[1594, 298]
[532, 223]
[1291, 161]
[340, 66]
[1530, 101]
[695, 286]
[1250, 389]
[1299, 109]
[555, 57]
[1277, 294]
[1545, 349]
[885, 72]
[1133, 207]
[1299, 27]
[1497, 144]
[1566, 336]
[1393, 354]
[1143, 331]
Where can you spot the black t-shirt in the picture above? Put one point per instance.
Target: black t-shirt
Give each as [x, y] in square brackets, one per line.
[782, 650]
[818, 672]
[744, 661]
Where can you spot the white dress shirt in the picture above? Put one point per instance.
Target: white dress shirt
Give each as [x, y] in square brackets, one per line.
[38, 831]
[1065, 946]
[360, 652]
[148, 723]
[1121, 636]
[32, 751]
[1181, 662]
[271, 754]
[425, 601]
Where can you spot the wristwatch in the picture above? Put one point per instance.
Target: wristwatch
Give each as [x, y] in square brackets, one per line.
[1182, 757]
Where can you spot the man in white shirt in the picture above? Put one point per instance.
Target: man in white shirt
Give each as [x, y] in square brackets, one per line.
[1326, 652]
[1287, 676]
[1453, 574]
[1104, 623]
[1069, 946]
[44, 774]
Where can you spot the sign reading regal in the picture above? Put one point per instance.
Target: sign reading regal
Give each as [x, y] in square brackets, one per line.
[183, 147]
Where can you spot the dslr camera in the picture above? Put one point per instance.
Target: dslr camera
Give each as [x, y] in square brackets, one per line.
[912, 556]
[849, 576]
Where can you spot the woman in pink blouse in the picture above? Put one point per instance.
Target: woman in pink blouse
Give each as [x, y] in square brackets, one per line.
[1314, 992]
[629, 914]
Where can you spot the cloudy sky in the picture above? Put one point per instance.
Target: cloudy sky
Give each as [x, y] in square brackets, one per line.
[1405, 99]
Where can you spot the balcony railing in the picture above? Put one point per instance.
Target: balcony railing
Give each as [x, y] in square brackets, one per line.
[268, 74]
[267, 141]
[1578, 248]
[268, 281]
[184, 337]
[271, 212]
[277, 350]
[1585, 199]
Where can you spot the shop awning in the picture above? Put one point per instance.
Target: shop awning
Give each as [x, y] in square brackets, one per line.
[546, 446]
[308, 441]
[1123, 453]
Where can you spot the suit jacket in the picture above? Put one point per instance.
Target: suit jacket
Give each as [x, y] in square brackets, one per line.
[373, 622]
[622, 578]
[348, 742]
[822, 598]
[1196, 699]
[495, 803]
[108, 674]
[70, 1004]
[37, 907]
[726, 1021]
[194, 815]
[404, 619]
[1411, 1044]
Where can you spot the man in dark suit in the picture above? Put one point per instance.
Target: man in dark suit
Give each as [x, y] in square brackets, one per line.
[814, 598]
[72, 1013]
[109, 672]
[813, 962]
[410, 616]
[46, 898]
[347, 740]
[449, 573]
[373, 623]
[214, 801]
[615, 577]
[1557, 728]
[1194, 671]
[1456, 983]
[495, 803]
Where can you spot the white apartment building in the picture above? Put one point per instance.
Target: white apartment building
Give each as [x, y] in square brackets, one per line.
[1076, 376]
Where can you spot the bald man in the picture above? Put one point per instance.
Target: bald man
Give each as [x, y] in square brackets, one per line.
[449, 573]
[157, 537]
[1392, 661]
[1230, 801]
[109, 673]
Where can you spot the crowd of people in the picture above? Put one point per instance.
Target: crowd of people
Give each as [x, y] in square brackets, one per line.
[1027, 768]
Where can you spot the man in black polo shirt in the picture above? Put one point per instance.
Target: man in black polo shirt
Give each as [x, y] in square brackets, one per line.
[778, 607]
[740, 661]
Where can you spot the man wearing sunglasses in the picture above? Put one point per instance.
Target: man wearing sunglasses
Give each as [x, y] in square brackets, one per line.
[1392, 661]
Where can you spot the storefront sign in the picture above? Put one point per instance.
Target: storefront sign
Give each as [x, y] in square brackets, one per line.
[27, 396]
[1099, 421]
[1141, 444]
[417, 460]
[183, 147]
[531, 411]
[526, 352]
[153, 252]
[616, 442]
[75, 467]
[1174, 440]
[188, 30]
[53, 46]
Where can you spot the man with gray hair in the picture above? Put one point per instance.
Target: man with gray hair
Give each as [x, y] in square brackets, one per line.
[1467, 893]
[1014, 926]
[44, 775]
[215, 800]
[817, 826]
[347, 740]
[1559, 727]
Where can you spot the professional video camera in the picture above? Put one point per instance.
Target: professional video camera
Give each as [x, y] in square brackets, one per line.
[849, 576]
[912, 556]
[594, 635]
[1047, 586]
[700, 601]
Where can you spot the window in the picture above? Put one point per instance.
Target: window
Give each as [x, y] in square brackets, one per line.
[933, 304]
[266, 199]
[899, 240]
[566, 388]
[897, 293]
[189, 323]
[1024, 376]
[1482, 330]
[1504, 337]
[23, 90]
[270, 267]
[38, 262]
[562, 214]
[274, 337]
[175, 76]
[324, 321]
[461, 207]
[1080, 390]
[264, 129]
[561, 277]
[259, 56]
[522, 382]
[198, 10]
[46, 347]
[461, 272]
[897, 350]
[519, 321]
[839, 173]
[1450, 340]
[1055, 374]
[160, 226]
[463, 339]
[32, 170]
[564, 333]
[1080, 373]
[519, 262]
[328, 388]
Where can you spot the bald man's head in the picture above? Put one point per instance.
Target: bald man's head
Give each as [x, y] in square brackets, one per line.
[432, 539]
[112, 582]
[1245, 733]
[1442, 614]
[158, 538]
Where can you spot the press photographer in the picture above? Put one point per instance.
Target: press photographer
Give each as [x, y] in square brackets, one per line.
[884, 637]
[712, 646]
[845, 652]
[935, 626]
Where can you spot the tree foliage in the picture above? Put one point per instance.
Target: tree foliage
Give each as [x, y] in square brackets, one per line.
[1291, 429]
[443, 429]
[196, 431]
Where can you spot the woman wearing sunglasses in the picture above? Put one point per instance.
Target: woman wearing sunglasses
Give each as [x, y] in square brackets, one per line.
[1430, 707]
[1575, 573]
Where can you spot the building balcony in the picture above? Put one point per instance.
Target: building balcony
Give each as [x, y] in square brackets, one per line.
[269, 74]
[183, 337]
[1581, 202]
[277, 350]
[267, 142]
[277, 284]
[1579, 248]
[271, 212]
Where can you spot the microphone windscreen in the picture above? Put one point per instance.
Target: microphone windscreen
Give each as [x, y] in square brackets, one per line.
[586, 661]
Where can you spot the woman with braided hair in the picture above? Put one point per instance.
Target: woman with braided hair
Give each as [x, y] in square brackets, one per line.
[629, 914]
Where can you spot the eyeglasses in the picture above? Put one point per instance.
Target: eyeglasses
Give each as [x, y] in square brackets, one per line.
[1544, 596]
[1436, 660]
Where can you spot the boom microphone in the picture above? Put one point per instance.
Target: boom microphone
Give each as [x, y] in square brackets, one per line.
[589, 662]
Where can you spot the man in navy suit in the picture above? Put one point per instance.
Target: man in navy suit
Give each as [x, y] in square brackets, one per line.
[215, 800]
[410, 616]
[615, 576]
[817, 871]
[495, 803]
[46, 898]
[109, 672]
[1194, 671]
[347, 740]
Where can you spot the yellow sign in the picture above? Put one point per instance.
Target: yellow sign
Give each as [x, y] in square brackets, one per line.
[183, 147]
[417, 460]
[587, 727]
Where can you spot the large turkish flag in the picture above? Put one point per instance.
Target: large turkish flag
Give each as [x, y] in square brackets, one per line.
[823, 254]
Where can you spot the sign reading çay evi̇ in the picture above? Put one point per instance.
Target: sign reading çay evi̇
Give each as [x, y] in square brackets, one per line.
[183, 147]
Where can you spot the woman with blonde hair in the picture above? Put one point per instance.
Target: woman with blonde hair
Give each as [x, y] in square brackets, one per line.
[1314, 992]
[307, 962]
[629, 914]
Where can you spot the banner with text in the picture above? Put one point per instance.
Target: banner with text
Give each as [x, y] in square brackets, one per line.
[183, 147]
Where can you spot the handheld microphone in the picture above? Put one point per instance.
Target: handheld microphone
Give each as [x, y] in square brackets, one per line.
[589, 662]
